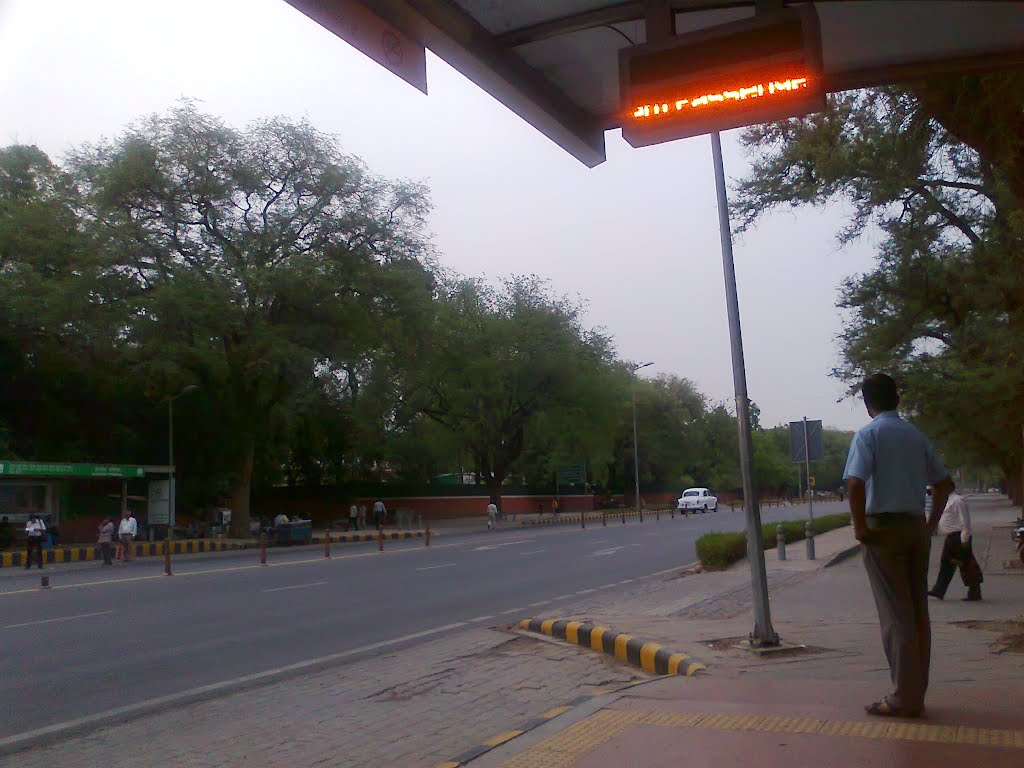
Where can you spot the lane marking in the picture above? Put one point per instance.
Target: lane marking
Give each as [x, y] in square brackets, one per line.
[513, 610]
[296, 586]
[586, 591]
[433, 567]
[479, 618]
[599, 541]
[51, 621]
[605, 552]
[532, 552]
[486, 547]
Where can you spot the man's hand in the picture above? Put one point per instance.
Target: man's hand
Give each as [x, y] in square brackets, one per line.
[865, 535]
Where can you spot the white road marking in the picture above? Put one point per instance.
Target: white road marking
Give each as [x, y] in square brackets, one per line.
[502, 544]
[51, 621]
[562, 597]
[586, 591]
[513, 610]
[532, 552]
[479, 618]
[599, 541]
[605, 552]
[432, 567]
[297, 586]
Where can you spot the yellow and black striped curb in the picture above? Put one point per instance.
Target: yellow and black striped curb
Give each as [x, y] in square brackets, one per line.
[650, 657]
[594, 517]
[187, 547]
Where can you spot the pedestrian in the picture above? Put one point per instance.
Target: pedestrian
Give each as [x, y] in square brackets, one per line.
[106, 539]
[362, 517]
[126, 532]
[492, 515]
[35, 531]
[554, 508]
[380, 513]
[353, 517]
[955, 525]
[887, 468]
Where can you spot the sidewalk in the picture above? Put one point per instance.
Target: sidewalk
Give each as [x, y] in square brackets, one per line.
[803, 706]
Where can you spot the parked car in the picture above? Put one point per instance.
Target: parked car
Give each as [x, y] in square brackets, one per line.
[697, 500]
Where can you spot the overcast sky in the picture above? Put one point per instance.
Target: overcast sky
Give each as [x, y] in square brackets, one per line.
[636, 238]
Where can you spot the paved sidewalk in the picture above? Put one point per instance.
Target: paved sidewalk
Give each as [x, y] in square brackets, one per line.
[803, 707]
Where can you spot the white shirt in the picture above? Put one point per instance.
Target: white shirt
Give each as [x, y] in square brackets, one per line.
[353, 511]
[128, 525]
[492, 510]
[35, 528]
[280, 519]
[956, 517]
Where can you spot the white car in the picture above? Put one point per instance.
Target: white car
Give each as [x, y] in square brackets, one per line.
[697, 500]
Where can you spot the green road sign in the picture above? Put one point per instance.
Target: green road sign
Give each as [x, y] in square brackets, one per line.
[570, 474]
[53, 469]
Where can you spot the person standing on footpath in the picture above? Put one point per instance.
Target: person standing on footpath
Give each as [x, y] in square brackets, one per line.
[126, 532]
[889, 464]
[353, 517]
[380, 513]
[492, 515]
[35, 530]
[106, 539]
[955, 525]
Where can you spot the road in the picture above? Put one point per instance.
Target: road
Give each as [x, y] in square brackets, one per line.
[104, 638]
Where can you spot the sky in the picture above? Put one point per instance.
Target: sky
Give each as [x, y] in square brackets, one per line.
[636, 238]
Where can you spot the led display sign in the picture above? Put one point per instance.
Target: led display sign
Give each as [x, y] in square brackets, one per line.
[752, 71]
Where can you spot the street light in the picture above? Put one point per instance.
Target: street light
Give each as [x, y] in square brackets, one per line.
[636, 449]
[170, 452]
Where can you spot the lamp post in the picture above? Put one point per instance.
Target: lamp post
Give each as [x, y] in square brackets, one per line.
[170, 453]
[636, 448]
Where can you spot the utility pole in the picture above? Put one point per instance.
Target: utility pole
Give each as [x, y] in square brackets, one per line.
[636, 445]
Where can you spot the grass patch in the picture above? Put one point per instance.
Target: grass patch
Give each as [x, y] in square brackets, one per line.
[720, 550]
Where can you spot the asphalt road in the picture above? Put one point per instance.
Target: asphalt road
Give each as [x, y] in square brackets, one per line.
[108, 637]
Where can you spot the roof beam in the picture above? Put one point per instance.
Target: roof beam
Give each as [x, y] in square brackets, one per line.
[455, 36]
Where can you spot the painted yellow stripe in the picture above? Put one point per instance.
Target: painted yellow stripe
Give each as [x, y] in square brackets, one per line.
[524, 624]
[693, 668]
[545, 626]
[595, 637]
[674, 661]
[647, 651]
[501, 738]
[620, 646]
[449, 765]
[572, 631]
[555, 712]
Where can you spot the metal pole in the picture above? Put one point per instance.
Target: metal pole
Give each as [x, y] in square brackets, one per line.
[170, 479]
[763, 633]
[809, 528]
[636, 451]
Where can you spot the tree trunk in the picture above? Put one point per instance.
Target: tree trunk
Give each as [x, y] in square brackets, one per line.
[242, 493]
[1013, 483]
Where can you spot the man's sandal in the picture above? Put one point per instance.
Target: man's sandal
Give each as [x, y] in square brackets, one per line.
[884, 709]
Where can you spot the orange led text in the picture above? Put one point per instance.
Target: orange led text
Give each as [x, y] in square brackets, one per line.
[710, 100]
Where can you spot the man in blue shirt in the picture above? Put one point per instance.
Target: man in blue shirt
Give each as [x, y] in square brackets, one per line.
[889, 465]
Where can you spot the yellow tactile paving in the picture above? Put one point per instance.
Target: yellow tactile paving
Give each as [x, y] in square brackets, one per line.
[501, 738]
[565, 748]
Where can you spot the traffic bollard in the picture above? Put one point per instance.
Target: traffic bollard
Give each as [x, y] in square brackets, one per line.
[672, 512]
[427, 535]
[583, 520]
[380, 537]
[780, 542]
[167, 559]
[263, 549]
[623, 515]
[604, 517]
[44, 582]
[327, 543]
[809, 535]
[657, 515]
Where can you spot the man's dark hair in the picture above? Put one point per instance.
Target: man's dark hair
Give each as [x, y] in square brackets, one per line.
[880, 392]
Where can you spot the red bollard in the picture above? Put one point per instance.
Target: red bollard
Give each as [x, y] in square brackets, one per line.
[327, 543]
[380, 537]
[427, 536]
[263, 549]
[167, 559]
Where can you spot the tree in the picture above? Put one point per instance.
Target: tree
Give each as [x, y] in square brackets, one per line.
[508, 369]
[248, 259]
[940, 172]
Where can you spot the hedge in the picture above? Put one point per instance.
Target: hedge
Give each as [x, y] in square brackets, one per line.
[720, 550]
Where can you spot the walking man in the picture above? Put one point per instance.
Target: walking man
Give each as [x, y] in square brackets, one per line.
[380, 513]
[955, 525]
[35, 530]
[126, 532]
[889, 464]
[353, 517]
[492, 515]
[106, 539]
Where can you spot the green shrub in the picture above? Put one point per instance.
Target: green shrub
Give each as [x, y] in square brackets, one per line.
[720, 550]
